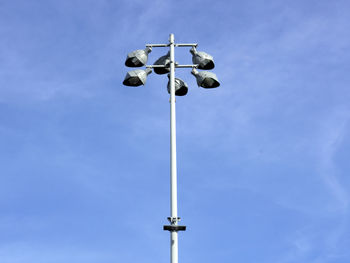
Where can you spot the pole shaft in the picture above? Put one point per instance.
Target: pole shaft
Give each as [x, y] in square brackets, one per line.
[173, 168]
[174, 243]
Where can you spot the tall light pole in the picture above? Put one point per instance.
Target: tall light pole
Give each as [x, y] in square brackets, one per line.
[164, 65]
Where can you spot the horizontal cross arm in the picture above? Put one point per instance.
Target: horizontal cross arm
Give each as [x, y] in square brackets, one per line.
[157, 45]
[186, 45]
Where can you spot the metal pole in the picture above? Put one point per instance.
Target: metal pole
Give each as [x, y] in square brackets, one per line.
[173, 169]
[174, 219]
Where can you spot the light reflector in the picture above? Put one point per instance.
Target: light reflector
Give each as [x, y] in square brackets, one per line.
[136, 77]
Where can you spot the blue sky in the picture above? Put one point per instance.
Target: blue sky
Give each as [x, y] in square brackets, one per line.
[263, 160]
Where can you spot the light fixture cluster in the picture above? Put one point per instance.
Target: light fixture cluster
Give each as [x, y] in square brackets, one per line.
[200, 60]
[166, 64]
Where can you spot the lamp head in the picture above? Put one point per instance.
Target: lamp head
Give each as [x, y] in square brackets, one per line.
[202, 59]
[206, 79]
[181, 87]
[138, 58]
[165, 61]
[136, 77]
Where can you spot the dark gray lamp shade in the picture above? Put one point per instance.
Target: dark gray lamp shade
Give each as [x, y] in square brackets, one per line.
[163, 61]
[206, 79]
[138, 58]
[181, 87]
[136, 77]
[202, 59]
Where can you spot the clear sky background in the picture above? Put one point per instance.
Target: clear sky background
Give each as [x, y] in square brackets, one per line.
[263, 160]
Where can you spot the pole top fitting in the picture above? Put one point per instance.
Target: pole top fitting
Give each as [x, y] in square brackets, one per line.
[171, 38]
[174, 220]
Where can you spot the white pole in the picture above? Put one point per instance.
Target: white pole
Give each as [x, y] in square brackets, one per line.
[173, 169]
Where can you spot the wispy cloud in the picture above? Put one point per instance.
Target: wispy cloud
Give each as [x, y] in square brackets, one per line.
[334, 129]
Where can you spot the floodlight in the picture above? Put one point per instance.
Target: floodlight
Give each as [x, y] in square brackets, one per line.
[164, 61]
[181, 87]
[136, 77]
[138, 58]
[206, 79]
[202, 59]
[164, 65]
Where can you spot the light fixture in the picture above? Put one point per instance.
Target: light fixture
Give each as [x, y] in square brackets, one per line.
[206, 79]
[163, 61]
[202, 59]
[138, 58]
[181, 87]
[176, 87]
[136, 77]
